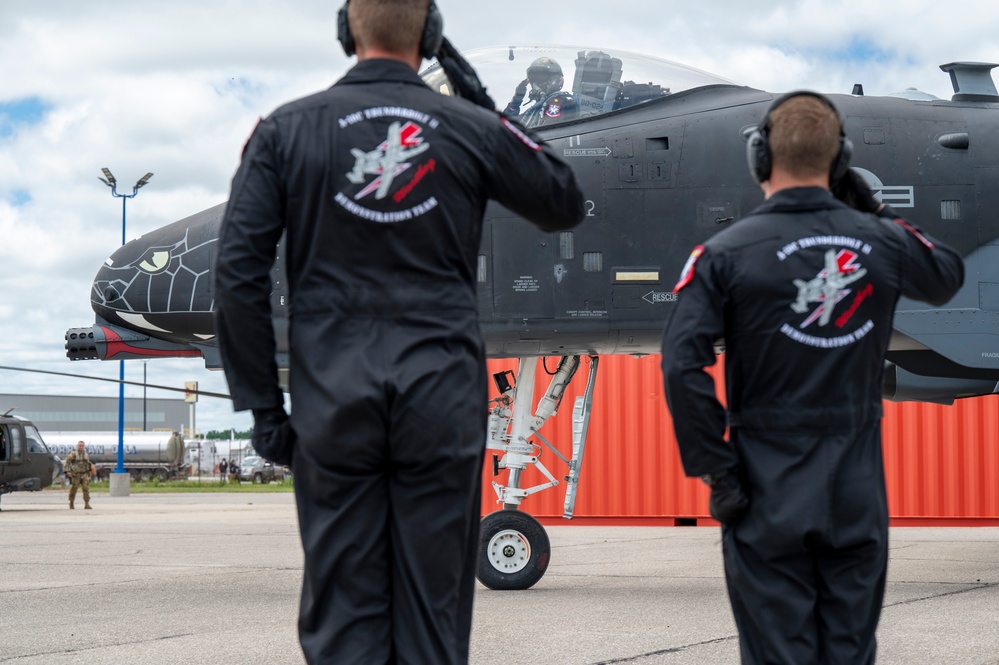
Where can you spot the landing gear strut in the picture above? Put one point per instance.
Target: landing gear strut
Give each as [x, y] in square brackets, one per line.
[514, 549]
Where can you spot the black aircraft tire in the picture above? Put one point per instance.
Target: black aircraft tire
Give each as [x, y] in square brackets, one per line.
[514, 551]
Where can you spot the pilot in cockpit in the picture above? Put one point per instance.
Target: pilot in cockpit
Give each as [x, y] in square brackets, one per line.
[551, 104]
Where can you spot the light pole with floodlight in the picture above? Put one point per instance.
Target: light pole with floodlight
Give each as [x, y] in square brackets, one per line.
[145, 365]
[110, 181]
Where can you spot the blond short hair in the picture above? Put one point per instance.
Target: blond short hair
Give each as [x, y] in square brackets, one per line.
[804, 136]
[393, 25]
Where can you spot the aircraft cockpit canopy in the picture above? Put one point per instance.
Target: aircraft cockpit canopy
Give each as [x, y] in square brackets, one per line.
[590, 81]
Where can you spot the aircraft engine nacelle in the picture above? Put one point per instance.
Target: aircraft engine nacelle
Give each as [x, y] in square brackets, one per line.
[904, 386]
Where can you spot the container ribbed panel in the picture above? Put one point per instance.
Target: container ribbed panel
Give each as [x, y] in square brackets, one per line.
[941, 462]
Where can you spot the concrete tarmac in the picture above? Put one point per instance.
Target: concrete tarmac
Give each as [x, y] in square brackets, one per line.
[215, 578]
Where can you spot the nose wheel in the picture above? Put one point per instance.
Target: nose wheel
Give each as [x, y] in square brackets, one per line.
[514, 550]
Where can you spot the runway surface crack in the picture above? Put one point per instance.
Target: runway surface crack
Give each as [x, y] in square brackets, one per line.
[649, 654]
[974, 587]
[162, 638]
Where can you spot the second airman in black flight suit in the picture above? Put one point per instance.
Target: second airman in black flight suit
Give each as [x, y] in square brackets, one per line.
[802, 291]
[380, 185]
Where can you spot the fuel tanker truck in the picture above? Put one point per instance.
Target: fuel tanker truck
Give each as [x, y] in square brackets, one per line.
[146, 454]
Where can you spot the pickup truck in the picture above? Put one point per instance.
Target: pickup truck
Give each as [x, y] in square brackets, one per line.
[259, 470]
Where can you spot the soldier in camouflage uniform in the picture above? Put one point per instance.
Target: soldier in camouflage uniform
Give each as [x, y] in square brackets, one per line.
[79, 468]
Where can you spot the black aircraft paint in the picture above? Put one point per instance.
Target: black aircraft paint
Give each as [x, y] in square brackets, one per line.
[661, 152]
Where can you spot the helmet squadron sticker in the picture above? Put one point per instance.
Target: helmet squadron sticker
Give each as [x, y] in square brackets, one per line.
[386, 162]
[818, 297]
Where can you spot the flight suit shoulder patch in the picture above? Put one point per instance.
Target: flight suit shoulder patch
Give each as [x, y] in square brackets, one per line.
[687, 273]
[246, 143]
[911, 229]
[520, 134]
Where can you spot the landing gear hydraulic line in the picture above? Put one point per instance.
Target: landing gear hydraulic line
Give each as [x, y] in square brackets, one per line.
[514, 550]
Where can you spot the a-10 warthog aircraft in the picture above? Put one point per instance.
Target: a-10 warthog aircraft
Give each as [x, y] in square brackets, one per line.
[660, 150]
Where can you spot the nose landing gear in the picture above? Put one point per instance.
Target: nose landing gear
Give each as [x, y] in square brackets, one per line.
[514, 549]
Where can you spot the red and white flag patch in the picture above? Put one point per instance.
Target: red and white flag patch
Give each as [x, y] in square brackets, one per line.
[527, 140]
[688, 269]
[911, 229]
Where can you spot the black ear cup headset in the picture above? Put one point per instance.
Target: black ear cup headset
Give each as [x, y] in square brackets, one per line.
[430, 42]
[758, 148]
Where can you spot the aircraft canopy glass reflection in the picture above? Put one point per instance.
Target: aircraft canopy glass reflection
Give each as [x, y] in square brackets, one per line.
[564, 83]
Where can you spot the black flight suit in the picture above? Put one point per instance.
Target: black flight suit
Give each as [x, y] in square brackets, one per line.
[802, 292]
[381, 185]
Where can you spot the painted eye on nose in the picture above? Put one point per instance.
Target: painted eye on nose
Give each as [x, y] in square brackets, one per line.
[156, 262]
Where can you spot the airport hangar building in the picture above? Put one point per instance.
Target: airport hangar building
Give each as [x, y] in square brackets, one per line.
[77, 413]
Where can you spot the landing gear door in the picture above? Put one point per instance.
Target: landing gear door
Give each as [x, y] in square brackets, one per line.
[523, 265]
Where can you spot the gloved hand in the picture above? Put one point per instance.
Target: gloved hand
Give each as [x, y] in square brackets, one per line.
[854, 191]
[464, 79]
[513, 108]
[728, 502]
[273, 438]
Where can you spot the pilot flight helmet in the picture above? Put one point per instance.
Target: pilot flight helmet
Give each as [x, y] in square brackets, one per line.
[545, 76]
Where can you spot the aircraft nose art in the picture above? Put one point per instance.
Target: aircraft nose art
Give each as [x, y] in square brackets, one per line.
[159, 284]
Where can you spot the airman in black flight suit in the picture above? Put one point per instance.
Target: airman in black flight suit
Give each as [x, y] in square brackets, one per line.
[380, 185]
[802, 291]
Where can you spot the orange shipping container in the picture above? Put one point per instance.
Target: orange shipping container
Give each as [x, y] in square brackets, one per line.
[941, 462]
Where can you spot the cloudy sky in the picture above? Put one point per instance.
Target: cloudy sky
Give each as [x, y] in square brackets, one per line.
[175, 88]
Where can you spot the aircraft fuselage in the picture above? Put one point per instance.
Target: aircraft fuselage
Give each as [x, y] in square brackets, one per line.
[660, 177]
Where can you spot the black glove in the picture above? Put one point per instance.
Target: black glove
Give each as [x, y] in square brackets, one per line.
[854, 191]
[518, 98]
[464, 79]
[513, 108]
[273, 438]
[728, 502]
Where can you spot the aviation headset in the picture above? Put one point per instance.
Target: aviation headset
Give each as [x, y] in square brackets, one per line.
[430, 42]
[758, 147]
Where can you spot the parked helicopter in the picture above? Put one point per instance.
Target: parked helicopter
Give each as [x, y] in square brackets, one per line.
[26, 463]
[661, 152]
